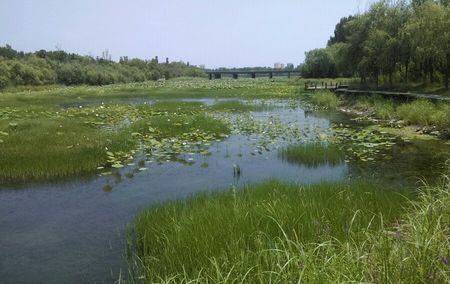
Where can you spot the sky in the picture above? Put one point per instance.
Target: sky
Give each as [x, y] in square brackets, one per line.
[225, 33]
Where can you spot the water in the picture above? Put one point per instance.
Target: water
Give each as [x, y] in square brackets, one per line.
[74, 232]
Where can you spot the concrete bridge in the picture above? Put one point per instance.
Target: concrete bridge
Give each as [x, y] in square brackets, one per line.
[235, 74]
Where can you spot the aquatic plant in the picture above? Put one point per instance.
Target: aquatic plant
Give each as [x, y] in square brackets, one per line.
[56, 148]
[312, 154]
[424, 113]
[363, 144]
[325, 100]
[81, 141]
[270, 232]
[236, 170]
[377, 105]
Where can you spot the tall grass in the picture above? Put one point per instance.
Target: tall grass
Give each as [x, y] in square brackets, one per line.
[382, 108]
[419, 112]
[325, 100]
[270, 232]
[311, 154]
[56, 148]
[425, 113]
[416, 249]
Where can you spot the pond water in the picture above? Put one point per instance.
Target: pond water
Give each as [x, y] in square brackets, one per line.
[75, 232]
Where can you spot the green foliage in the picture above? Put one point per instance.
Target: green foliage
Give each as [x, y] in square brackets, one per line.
[381, 107]
[417, 248]
[424, 113]
[50, 67]
[46, 148]
[312, 154]
[318, 64]
[325, 100]
[393, 40]
[340, 31]
[270, 232]
[46, 143]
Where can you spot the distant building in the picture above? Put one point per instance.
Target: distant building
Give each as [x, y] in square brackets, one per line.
[278, 65]
[290, 66]
[202, 66]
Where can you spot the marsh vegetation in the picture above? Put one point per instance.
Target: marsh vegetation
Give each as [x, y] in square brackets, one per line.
[276, 232]
[422, 113]
[138, 142]
[312, 154]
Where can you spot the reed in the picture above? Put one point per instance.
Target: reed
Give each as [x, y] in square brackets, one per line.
[268, 232]
[312, 154]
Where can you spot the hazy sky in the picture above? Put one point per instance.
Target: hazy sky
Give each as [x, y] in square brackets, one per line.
[215, 33]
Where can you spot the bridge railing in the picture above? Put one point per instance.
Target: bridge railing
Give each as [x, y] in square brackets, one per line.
[312, 86]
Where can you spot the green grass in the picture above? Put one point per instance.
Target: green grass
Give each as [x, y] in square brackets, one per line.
[382, 108]
[325, 100]
[425, 113]
[42, 143]
[44, 149]
[418, 112]
[264, 233]
[311, 154]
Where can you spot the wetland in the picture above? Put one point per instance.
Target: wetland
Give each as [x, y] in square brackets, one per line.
[249, 180]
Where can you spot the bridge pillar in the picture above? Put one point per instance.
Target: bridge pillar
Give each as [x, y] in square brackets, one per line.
[210, 76]
[235, 75]
[289, 75]
[253, 75]
[270, 75]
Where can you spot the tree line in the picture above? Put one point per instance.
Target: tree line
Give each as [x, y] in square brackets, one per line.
[394, 41]
[59, 67]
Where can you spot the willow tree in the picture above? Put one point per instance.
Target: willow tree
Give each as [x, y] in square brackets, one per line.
[429, 31]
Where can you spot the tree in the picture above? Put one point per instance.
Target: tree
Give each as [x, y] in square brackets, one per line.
[318, 64]
[429, 30]
[374, 57]
[341, 32]
[5, 75]
[358, 31]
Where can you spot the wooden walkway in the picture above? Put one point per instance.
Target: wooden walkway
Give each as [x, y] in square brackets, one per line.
[343, 89]
[394, 94]
[324, 86]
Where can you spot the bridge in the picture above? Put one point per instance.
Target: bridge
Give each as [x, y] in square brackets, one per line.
[235, 73]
